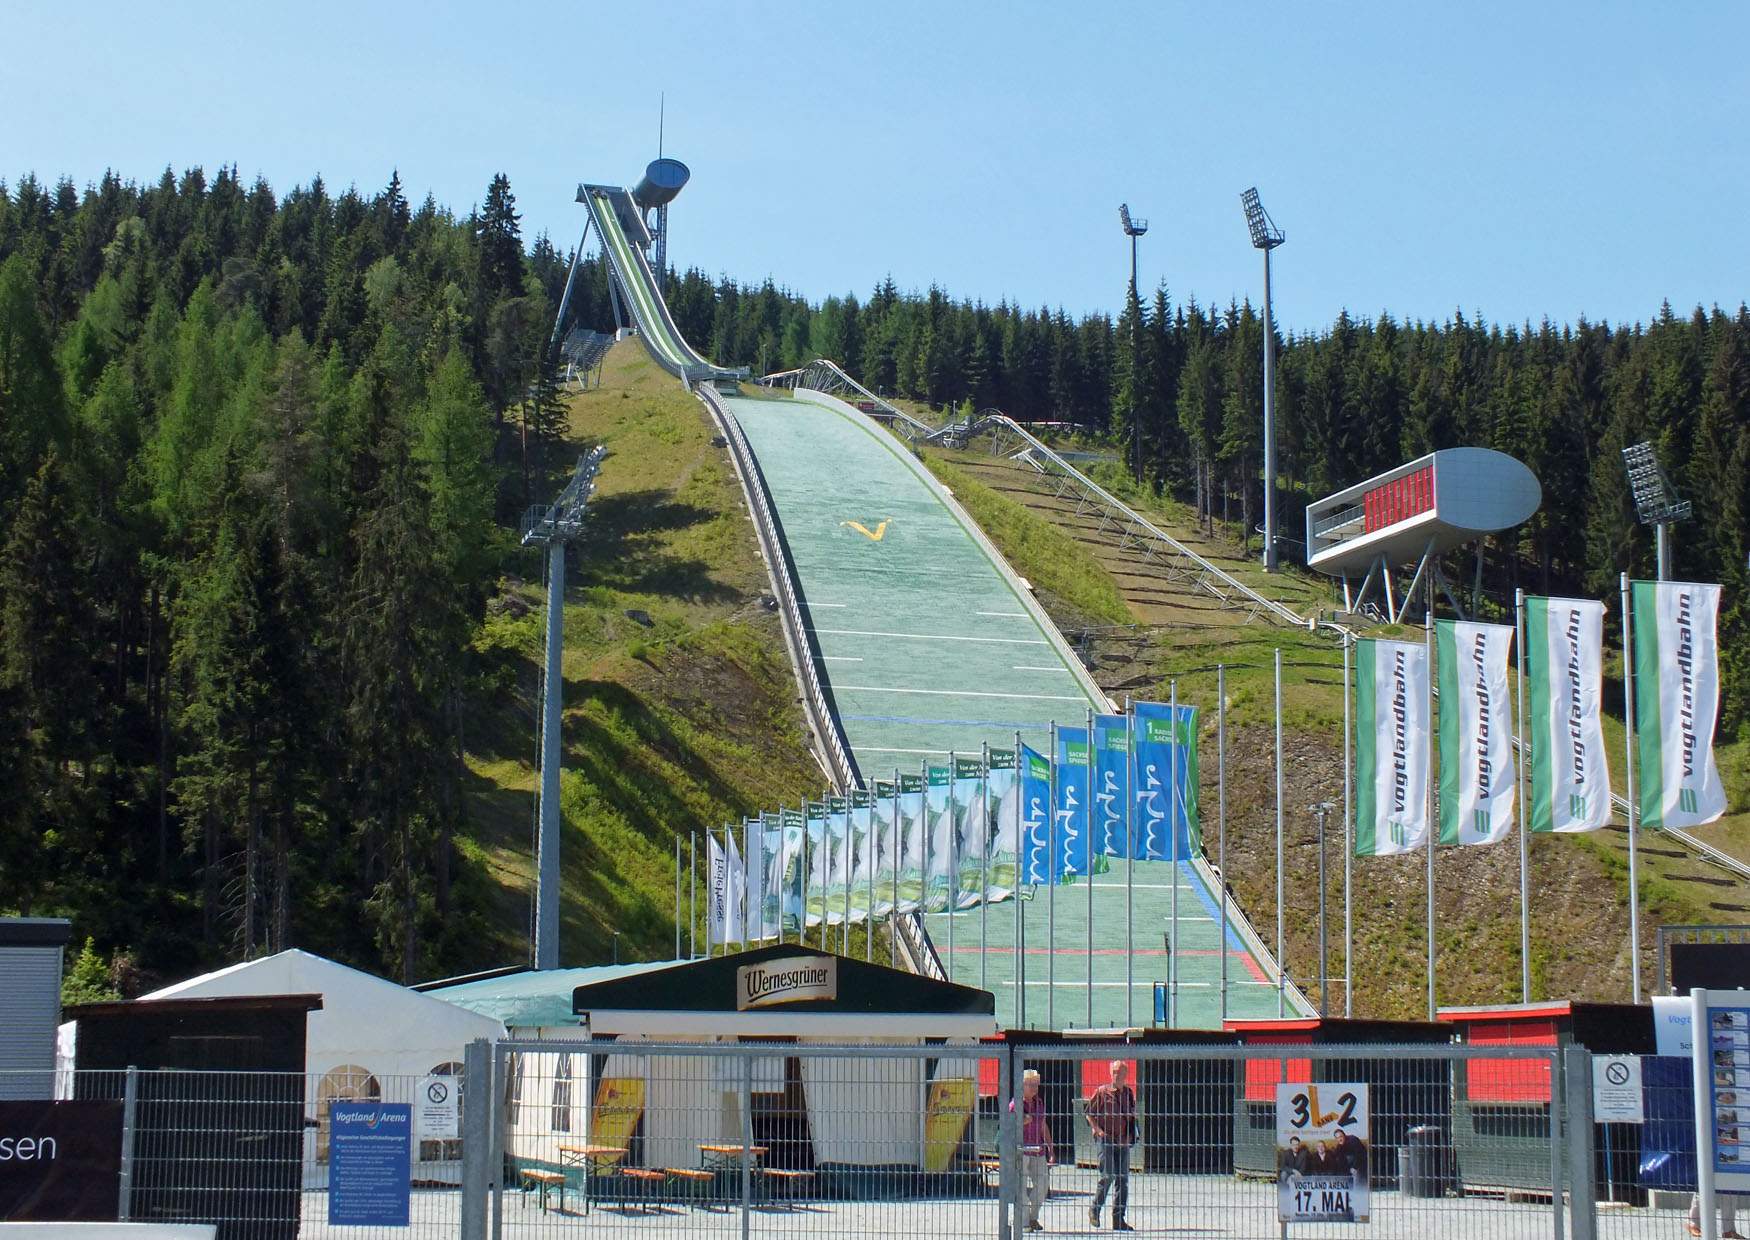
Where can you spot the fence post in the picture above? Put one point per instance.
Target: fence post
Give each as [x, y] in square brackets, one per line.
[130, 1111]
[476, 1125]
[1582, 1180]
[1008, 1143]
[494, 1142]
[746, 1146]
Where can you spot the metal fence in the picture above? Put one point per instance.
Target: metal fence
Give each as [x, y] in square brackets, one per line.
[783, 1138]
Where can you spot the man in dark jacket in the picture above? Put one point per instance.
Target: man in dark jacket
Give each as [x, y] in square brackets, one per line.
[1112, 1117]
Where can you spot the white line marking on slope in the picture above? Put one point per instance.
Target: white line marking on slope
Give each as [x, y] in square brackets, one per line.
[841, 658]
[1023, 667]
[976, 693]
[933, 637]
[1009, 615]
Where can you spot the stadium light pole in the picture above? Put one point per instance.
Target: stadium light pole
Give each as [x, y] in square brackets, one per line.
[1656, 502]
[1134, 228]
[1266, 237]
[552, 527]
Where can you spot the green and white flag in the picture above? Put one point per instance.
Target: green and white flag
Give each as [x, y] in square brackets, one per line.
[1677, 702]
[1564, 670]
[1478, 781]
[1391, 747]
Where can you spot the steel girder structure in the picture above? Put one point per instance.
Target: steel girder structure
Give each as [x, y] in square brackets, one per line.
[824, 375]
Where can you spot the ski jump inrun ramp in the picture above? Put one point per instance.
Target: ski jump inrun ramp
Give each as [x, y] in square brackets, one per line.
[913, 639]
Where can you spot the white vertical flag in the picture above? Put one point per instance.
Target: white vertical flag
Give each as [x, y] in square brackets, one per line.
[1677, 702]
[734, 891]
[716, 890]
[1478, 781]
[754, 920]
[1391, 747]
[1564, 669]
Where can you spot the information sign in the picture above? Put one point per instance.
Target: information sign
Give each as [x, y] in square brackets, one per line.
[440, 1110]
[1322, 1141]
[370, 1155]
[1616, 1089]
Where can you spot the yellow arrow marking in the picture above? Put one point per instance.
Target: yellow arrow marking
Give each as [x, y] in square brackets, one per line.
[872, 536]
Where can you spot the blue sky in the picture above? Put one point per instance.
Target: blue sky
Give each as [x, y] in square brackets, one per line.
[1523, 160]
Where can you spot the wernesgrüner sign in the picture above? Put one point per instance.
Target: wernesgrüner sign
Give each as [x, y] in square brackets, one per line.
[790, 980]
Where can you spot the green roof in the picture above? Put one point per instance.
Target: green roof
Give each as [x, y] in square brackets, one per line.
[538, 997]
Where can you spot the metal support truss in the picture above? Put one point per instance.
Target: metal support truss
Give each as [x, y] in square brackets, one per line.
[822, 375]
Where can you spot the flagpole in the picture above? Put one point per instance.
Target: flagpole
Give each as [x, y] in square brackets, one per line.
[1221, 819]
[693, 895]
[677, 895]
[897, 855]
[1051, 878]
[1432, 804]
[874, 864]
[1088, 833]
[1281, 954]
[1524, 808]
[1634, 894]
[1348, 834]
[954, 856]
[1019, 972]
[1129, 862]
[1173, 811]
[984, 894]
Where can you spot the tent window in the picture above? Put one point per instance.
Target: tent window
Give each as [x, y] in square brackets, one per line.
[562, 1095]
[348, 1083]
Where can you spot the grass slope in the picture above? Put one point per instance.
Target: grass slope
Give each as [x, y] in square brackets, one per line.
[682, 717]
[1579, 883]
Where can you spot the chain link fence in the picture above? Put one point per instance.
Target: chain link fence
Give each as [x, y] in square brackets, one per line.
[947, 1139]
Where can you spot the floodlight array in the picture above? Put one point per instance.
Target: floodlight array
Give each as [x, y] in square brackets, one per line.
[1656, 501]
[1265, 234]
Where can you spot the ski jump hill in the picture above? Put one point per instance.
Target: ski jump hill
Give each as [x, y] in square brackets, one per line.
[911, 638]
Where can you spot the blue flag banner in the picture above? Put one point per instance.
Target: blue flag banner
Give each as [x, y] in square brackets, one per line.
[1071, 808]
[1164, 782]
[1111, 798]
[1036, 852]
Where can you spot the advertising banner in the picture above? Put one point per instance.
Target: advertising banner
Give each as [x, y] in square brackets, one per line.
[60, 1161]
[1564, 672]
[1003, 797]
[1164, 782]
[1323, 1140]
[1391, 747]
[1677, 702]
[1071, 808]
[1111, 793]
[1478, 780]
[1036, 851]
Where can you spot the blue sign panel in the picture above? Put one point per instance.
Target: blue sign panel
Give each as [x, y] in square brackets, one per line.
[370, 1159]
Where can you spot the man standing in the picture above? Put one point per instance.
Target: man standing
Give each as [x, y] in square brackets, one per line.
[1036, 1148]
[1112, 1116]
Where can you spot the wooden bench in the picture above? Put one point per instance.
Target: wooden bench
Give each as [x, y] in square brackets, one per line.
[645, 1180]
[990, 1170]
[546, 1181]
[698, 1182]
[789, 1181]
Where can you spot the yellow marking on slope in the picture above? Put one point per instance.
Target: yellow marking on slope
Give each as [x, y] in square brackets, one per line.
[872, 535]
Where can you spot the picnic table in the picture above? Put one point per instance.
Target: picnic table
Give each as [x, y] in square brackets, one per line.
[594, 1159]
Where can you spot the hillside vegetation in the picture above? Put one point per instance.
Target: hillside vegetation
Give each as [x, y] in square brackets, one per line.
[1578, 883]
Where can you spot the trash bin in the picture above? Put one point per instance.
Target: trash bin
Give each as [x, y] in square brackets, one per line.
[1427, 1165]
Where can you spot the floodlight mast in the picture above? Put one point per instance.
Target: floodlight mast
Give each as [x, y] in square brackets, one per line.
[552, 527]
[1656, 502]
[1266, 237]
[1134, 228]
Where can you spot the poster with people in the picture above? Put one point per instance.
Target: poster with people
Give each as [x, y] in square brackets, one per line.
[1322, 1142]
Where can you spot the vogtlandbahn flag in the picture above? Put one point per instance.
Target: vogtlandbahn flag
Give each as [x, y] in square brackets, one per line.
[1478, 781]
[1391, 747]
[1677, 702]
[1564, 669]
